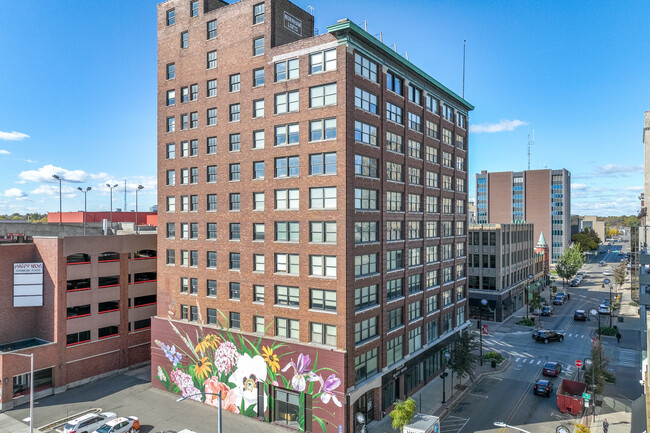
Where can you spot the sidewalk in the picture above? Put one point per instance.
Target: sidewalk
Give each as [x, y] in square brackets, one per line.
[428, 400]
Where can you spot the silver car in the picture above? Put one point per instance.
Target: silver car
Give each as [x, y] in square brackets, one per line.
[88, 423]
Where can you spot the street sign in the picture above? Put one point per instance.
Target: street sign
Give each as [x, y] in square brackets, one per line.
[484, 329]
[578, 363]
[586, 396]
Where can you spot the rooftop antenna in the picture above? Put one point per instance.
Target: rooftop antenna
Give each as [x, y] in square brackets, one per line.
[310, 10]
[365, 25]
[464, 42]
[395, 46]
[530, 143]
[381, 38]
[407, 54]
[125, 195]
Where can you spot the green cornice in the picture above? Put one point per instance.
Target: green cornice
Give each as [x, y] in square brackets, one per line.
[349, 26]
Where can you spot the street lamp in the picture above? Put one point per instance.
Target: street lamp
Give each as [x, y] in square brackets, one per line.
[31, 387]
[610, 301]
[111, 188]
[530, 277]
[85, 191]
[502, 424]
[219, 426]
[444, 374]
[590, 364]
[594, 313]
[60, 199]
[480, 327]
[136, 207]
[361, 419]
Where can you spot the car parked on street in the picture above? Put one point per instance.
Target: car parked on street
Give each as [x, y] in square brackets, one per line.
[547, 310]
[88, 423]
[543, 387]
[546, 335]
[552, 369]
[603, 309]
[580, 315]
[575, 282]
[559, 300]
[122, 424]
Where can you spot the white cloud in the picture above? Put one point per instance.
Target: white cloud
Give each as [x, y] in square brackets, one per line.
[4, 152]
[504, 125]
[53, 190]
[578, 186]
[45, 173]
[13, 136]
[15, 193]
[617, 170]
[31, 161]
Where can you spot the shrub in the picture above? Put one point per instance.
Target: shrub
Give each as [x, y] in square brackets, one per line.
[525, 321]
[554, 289]
[609, 376]
[493, 355]
[616, 305]
[606, 330]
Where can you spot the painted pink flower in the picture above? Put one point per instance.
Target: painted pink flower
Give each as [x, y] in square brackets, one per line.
[228, 398]
[185, 384]
[300, 372]
[330, 384]
[225, 357]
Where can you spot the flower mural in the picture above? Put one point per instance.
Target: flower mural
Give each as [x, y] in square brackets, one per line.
[235, 367]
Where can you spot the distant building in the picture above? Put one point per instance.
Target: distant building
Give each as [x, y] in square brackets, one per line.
[540, 197]
[575, 225]
[81, 304]
[501, 259]
[98, 217]
[591, 221]
[471, 212]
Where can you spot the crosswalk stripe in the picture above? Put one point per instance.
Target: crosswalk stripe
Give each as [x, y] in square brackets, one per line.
[539, 362]
[517, 360]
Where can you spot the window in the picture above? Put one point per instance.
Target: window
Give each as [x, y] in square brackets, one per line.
[258, 201]
[235, 201]
[194, 147]
[287, 102]
[258, 139]
[287, 70]
[394, 142]
[258, 231]
[171, 124]
[77, 338]
[415, 122]
[415, 310]
[365, 100]
[431, 180]
[415, 339]
[365, 199]
[322, 198]
[394, 289]
[365, 166]
[194, 95]
[287, 263]
[194, 175]
[289, 296]
[394, 260]
[415, 203]
[394, 231]
[322, 129]
[462, 121]
[286, 166]
[108, 306]
[365, 133]
[394, 201]
[235, 172]
[212, 116]
[212, 59]
[322, 266]
[365, 297]
[211, 288]
[194, 231]
[460, 163]
[433, 105]
[431, 154]
[394, 172]
[211, 258]
[185, 95]
[235, 231]
[431, 254]
[365, 232]
[394, 351]
[171, 204]
[322, 163]
[171, 177]
[415, 149]
[211, 231]
[365, 330]
[78, 311]
[365, 67]
[364, 265]
[194, 258]
[415, 94]
[287, 231]
[448, 112]
[258, 77]
[171, 17]
[212, 173]
[258, 262]
[212, 29]
[235, 80]
[258, 13]
[321, 231]
[185, 40]
[431, 130]
[258, 170]
[171, 151]
[287, 328]
[171, 257]
[171, 71]
[184, 123]
[415, 176]
[235, 111]
[287, 134]
[258, 293]
[234, 291]
[321, 333]
[394, 83]
[185, 231]
[394, 113]
[235, 322]
[258, 46]
[212, 316]
[415, 257]
[211, 146]
[194, 8]
[322, 61]
[414, 228]
[447, 137]
[171, 97]
[286, 199]
[365, 365]
[322, 95]
[212, 202]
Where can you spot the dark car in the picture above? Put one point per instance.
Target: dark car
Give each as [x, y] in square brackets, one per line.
[580, 315]
[552, 369]
[563, 295]
[559, 300]
[543, 387]
[546, 335]
[547, 310]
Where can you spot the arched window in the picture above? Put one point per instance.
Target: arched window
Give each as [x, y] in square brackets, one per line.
[78, 259]
[109, 256]
[145, 254]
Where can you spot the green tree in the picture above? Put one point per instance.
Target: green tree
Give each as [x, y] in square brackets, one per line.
[599, 364]
[620, 273]
[536, 300]
[464, 354]
[569, 263]
[402, 413]
[588, 239]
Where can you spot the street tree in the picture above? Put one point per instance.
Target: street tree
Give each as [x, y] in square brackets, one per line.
[596, 373]
[464, 354]
[402, 413]
[569, 263]
[588, 239]
[536, 301]
[620, 273]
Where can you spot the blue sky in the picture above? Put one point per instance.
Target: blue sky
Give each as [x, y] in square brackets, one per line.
[78, 86]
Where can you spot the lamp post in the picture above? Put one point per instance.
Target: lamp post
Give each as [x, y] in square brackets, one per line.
[85, 191]
[31, 388]
[610, 301]
[111, 188]
[502, 424]
[361, 419]
[590, 364]
[219, 426]
[444, 375]
[594, 313]
[136, 208]
[480, 327]
[60, 199]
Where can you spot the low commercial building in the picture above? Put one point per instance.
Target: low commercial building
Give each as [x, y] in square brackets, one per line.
[82, 305]
[503, 268]
[591, 221]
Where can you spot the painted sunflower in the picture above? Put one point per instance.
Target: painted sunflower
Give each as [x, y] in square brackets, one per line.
[209, 341]
[271, 359]
[202, 368]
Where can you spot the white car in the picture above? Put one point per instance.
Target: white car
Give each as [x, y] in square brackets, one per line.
[122, 424]
[88, 423]
[603, 309]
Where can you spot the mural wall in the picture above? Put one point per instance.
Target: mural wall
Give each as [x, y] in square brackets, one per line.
[296, 385]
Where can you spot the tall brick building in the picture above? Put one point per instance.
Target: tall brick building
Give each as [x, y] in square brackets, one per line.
[312, 210]
[540, 197]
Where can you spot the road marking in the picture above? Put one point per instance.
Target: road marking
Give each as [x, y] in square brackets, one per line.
[539, 362]
[451, 424]
[479, 395]
[627, 358]
[517, 360]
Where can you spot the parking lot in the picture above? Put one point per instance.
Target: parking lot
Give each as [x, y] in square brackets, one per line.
[132, 394]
